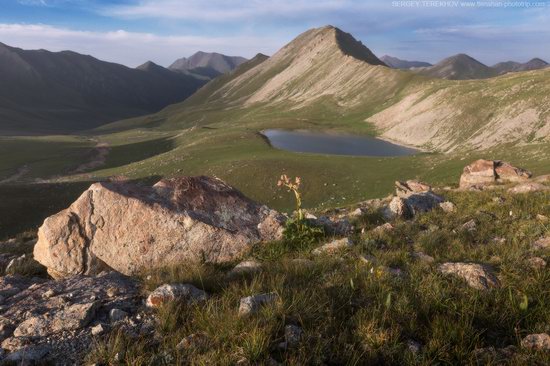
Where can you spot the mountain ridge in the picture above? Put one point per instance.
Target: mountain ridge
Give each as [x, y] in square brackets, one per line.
[398, 63]
[48, 91]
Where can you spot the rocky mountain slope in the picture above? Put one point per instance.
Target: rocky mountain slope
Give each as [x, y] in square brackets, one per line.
[207, 64]
[397, 63]
[46, 91]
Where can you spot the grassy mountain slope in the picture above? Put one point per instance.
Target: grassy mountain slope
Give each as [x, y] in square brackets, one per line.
[64, 91]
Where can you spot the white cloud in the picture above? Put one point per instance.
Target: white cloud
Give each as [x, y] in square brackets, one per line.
[130, 48]
[233, 10]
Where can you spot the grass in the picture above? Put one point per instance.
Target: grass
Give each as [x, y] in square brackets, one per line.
[354, 313]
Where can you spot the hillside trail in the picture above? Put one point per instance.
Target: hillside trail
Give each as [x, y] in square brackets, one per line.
[21, 171]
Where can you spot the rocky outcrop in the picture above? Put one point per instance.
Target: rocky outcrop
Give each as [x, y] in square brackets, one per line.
[54, 319]
[528, 187]
[127, 227]
[478, 276]
[482, 173]
[412, 197]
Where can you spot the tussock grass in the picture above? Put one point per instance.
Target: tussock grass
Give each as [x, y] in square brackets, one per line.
[354, 313]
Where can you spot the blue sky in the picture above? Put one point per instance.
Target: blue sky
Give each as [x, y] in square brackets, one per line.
[134, 31]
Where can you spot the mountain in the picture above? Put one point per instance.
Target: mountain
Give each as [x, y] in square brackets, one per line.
[511, 66]
[458, 67]
[397, 63]
[65, 91]
[325, 77]
[206, 64]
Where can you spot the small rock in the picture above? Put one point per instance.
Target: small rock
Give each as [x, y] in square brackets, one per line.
[176, 292]
[112, 291]
[368, 259]
[422, 257]
[488, 355]
[116, 315]
[98, 329]
[536, 263]
[49, 293]
[30, 354]
[358, 212]
[245, 267]
[447, 206]
[193, 341]
[478, 276]
[538, 342]
[382, 228]
[252, 304]
[499, 240]
[334, 246]
[469, 226]
[541, 243]
[119, 357]
[413, 346]
[411, 186]
[398, 208]
[528, 188]
[293, 335]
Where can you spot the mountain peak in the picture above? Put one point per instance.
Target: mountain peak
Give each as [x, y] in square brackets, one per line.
[148, 66]
[217, 62]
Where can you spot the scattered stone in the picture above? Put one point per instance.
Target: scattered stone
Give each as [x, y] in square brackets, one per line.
[61, 321]
[358, 212]
[543, 218]
[334, 226]
[71, 318]
[404, 189]
[528, 187]
[542, 243]
[176, 220]
[397, 208]
[447, 206]
[413, 346]
[538, 342]
[197, 341]
[29, 355]
[542, 179]
[420, 256]
[469, 226]
[48, 294]
[334, 246]
[382, 228]
[368, 259]
[176, 292]
[499, 240]
[252, 304]
[478, 276]
[483, 173]
[293, 335]
[24, 265]
[245, 268]
[536, 263]
[99, 329]
[302, 262]
[489, 355]
[116, 315]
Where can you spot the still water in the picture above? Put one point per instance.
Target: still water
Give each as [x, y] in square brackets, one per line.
[334, 143]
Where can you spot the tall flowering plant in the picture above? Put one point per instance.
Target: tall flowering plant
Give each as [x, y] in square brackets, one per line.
[294, 187]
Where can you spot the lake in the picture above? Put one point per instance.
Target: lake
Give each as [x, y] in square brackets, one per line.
[334, 143]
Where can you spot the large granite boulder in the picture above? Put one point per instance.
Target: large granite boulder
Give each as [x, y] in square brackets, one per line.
[129, 227]
[482, 173]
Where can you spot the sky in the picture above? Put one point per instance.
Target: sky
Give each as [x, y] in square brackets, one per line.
[131, 32]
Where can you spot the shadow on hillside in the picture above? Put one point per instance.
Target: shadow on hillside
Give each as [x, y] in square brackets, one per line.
[122, 155]
[25, 206]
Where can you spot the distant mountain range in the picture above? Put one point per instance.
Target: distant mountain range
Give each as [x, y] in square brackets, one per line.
[511, 66]
[397, 63]
[462, 67]
[44, 91]
[209, 65]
